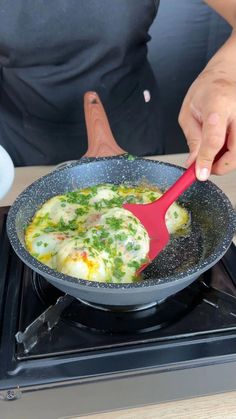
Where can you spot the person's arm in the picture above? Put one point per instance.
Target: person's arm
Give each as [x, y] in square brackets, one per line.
[208, 113]
[225, 8]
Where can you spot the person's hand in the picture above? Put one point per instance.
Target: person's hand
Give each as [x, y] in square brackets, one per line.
[208, 120]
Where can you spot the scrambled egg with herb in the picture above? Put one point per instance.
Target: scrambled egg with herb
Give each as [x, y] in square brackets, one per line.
[88, 235]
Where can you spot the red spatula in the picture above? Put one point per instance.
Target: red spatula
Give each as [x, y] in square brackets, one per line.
[152, 216]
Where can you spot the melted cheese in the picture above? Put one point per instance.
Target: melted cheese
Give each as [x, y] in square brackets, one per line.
[88, 235]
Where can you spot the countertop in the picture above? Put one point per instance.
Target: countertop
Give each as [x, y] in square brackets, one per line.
[216, 406]
[24, 176]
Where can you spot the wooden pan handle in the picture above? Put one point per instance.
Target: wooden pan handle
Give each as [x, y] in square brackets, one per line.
[101, 142]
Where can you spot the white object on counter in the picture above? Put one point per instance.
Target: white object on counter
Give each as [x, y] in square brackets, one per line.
[6, 172]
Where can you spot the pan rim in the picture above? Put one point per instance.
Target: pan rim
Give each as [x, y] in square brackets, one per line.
[160, 282]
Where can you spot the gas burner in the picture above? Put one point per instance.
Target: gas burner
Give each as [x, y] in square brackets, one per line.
[142, 319]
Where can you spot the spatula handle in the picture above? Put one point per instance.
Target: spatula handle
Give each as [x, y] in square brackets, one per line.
[174, 191]
[183, 183]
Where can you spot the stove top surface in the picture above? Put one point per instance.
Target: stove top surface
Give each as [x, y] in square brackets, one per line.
[47, 337]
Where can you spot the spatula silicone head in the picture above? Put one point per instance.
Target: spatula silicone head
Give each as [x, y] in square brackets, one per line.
[152, 216]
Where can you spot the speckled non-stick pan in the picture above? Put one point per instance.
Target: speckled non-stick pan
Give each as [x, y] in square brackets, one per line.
[213, 220]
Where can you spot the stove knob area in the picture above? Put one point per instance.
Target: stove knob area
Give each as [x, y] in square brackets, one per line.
[10, 395]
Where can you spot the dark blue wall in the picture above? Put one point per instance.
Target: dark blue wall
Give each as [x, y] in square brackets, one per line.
[185, 34]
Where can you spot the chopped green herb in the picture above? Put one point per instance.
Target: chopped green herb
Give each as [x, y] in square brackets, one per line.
[35, 255]
[49, 229]
[104, 234]
[129, 246]
[134, 264]
[39, 243]
[77, 197]
[176, 214]
[132, 229]
[115, 202]
[114, 223]
[36, 235]
[130, 157]
[62, 226]
[118, 264]
[152, 197]
[94, 189]
[144, 260]
[109, 241]
[131, 199]
[114, 188]
[98, 206]
[121, 236]
[80, 211]
[42, 219]
[97, 243]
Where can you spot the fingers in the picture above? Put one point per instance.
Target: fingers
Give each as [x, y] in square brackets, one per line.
[227, 162]
[206, 133]
[193, 141]
[214, 129]
[193, 133]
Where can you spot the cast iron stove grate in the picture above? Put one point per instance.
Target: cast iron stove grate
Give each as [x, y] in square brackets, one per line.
[148, 319]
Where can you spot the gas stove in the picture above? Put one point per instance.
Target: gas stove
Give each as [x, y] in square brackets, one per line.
[60, 357]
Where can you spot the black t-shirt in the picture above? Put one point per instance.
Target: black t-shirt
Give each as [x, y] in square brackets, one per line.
[51, 52]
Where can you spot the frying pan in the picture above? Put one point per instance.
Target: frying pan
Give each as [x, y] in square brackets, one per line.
[213, 219]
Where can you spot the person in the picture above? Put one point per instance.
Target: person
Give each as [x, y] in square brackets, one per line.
[51, 53]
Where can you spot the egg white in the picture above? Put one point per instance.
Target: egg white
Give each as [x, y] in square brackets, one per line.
[75, 259]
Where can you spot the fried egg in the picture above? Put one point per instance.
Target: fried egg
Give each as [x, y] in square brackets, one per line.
[76, 259]
[88, 235]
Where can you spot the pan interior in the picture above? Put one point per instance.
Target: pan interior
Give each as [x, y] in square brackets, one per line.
[182, 253]
[209, 209]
